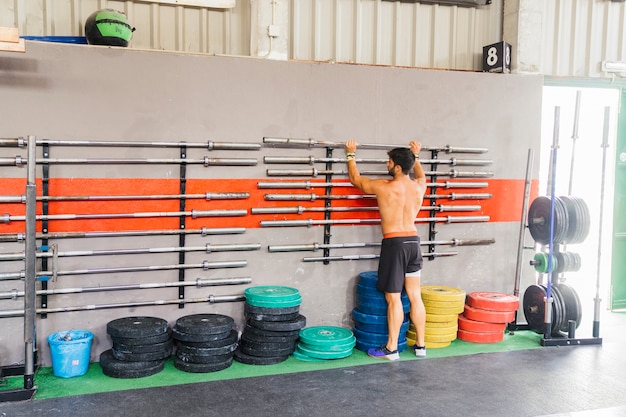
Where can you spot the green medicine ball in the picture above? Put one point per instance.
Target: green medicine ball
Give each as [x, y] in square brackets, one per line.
[108, 27]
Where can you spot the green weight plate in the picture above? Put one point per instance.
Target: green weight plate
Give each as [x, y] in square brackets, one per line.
[326, 336]
[331, 348]
[305, 358]
[275, 304]
[272, 292]
[322, 355]
[256, 297]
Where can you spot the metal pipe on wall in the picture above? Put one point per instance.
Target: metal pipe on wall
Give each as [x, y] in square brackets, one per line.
[311, 222]
[309, 184]
[6, 218]
[209, 145]
[199, 282]
[204, 231]
[30, 275]
[210, 299]
[314, 172]
[206, 196]
[318, 246]
[18, 161]
[313, 197]
[372, 256]
[208, 248]
[312, 143]
[310, 160]
[205, 265]
[300, 209]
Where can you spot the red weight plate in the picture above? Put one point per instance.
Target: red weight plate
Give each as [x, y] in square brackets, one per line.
[480, 337]
[479, 326]
[493, 301]
[478, 314]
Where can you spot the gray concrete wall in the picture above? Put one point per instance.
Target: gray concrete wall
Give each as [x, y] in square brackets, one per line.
[70, 92]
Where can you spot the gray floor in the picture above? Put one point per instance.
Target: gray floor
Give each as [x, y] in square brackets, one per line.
[576, 381]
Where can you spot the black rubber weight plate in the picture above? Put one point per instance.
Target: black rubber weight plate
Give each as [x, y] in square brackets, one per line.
[534, 307]
[155, 347]
[264, 353]
[130, 341]
[269, 333]
[242, 357]
[205, 324]
[573, 309]
[137, 327]
[254, 337]
[107, 360]
[199, 368]
[196, 337]
[272, 317]
[295, 324]
[192, 350]
[142, 357]
[254, 345]
[233, 336]
[190, 358]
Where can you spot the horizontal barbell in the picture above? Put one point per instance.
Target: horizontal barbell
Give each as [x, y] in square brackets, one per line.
[314, 172]
[210, 299]
[207, 196]
[199, 282]
[313, 143]
[371, 256]
[209, 145]
[301, 209]
[205, 265]
[317, 246]
[204, 231]
[313, 197]
[310, 160]
[7, 218]
[311, 222]
[18, 161]
[311, 184]
[208, 248]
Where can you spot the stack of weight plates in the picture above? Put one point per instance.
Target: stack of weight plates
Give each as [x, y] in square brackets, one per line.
[204, 342]
[273, 324]
[324, 342]
[443, 305]
[140, 347]
[370, 315]
[486, 315]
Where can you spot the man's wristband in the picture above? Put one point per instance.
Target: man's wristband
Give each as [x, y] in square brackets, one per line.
[350, 156]
[417, 156]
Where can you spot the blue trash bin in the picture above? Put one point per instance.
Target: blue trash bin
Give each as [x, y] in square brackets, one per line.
[70, 351]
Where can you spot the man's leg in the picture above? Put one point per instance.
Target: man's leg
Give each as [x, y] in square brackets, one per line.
[418, 312]
[395, 317]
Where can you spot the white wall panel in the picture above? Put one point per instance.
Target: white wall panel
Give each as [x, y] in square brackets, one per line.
[579, 34]
[158, 26]
[393, 33]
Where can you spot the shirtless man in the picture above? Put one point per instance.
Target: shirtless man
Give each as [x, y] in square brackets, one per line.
[399, 201]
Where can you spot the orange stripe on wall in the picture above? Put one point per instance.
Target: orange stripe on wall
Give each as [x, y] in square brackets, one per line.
[505, 205]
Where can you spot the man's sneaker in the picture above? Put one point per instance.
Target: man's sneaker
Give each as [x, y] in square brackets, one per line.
[420, 351]
[383, 353]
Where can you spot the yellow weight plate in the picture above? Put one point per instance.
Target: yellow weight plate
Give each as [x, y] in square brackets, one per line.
[441, 331]
[444, 304]
[437, 345]
[439, 318]
[442, 293]
[434, 324]
[439, 337]
[444, 311]
[411, 334]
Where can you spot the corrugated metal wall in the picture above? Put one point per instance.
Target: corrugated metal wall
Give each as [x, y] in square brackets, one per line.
[580, 34]
[577, 34]
[393, 33]
[158, 26]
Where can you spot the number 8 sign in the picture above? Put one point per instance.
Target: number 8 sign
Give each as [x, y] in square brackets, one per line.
[497, 57]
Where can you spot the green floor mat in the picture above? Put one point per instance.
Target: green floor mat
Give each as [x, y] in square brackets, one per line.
[94, 381]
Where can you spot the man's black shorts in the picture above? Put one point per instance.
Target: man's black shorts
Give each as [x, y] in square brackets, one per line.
[398, 256]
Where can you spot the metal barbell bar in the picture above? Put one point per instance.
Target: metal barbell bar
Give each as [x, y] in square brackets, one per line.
[317, 246]
[199, 282]
[372, 256]
[309, 184]
[311, 222]
[313, 197]
[314, 172]
[18, 161]
[313, 143]
[7, 218]
[209, 145]
[208, 248]
[207, 196]
[310, 160]
[210, 299]
[205, 265]
[301, 209]
[204, 231]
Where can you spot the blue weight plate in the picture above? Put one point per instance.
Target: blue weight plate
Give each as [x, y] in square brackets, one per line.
[378, 309]
[358, 315]
[380, 328]
[368, 278]
[373, 291]
[376, 338]
[364, 346]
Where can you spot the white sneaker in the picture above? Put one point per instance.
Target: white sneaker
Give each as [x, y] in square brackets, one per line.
[420, 351]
